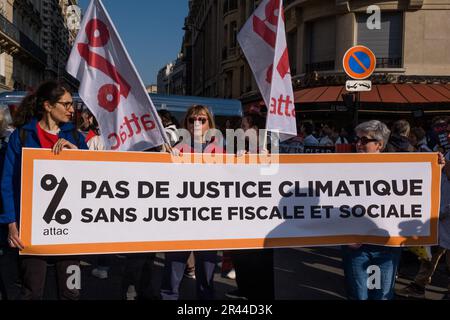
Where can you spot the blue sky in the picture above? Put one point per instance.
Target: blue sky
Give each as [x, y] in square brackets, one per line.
[151, 30]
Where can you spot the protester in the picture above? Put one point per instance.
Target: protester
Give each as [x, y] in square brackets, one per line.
[343, 137]
[308, 130]
[371, 137]
[399, 140]
[198, 122]
[170, 126]
[93, 138]
[5, 133]
[416, 289]
[326, 140]
[254, 268]
[418, 139]
[42, 121]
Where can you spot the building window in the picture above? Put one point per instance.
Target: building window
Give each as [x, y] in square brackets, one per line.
[225, 6]
[243, 12]
[242, 79]
[292, 48]
[387, 42]
[233, 5]
[229, 85]
[233, 34]
[3, 68]
[322, 45]
[225, 40]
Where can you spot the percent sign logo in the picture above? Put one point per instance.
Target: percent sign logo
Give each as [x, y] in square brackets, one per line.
[109, 95]
[50, 183]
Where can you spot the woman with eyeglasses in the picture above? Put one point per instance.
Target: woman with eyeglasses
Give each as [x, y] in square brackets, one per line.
[198, 122]
[43, 120]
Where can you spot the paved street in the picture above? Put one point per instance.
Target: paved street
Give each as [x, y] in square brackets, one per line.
[300, 274]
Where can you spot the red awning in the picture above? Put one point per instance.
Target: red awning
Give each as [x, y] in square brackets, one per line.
[404, 93]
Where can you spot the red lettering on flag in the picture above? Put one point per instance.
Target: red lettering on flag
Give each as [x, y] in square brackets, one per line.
[283, 66]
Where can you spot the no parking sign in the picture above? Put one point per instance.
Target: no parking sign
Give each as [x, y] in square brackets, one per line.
[359, 62]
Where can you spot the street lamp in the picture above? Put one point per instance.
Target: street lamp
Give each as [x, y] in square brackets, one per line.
[190, 27]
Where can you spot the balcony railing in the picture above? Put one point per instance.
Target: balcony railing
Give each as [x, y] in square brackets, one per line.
[389, 62]
[26, 43]
[33, 48]
[320, 66]
[9, 29]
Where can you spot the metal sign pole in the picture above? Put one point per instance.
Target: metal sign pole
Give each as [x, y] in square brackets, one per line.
[356, 109]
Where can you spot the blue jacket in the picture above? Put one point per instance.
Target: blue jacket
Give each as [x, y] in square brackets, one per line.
[10, 184]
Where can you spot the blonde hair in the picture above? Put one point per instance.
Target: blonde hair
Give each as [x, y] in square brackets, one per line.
[196, 110]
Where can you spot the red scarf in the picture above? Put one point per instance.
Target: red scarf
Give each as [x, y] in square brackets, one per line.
[47, 140]
[91, 134]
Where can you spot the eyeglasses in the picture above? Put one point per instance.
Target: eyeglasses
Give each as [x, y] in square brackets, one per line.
[365, 140]
[200, 119]
[66, 105]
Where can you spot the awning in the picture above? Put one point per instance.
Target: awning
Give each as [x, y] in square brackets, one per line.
[397, 94]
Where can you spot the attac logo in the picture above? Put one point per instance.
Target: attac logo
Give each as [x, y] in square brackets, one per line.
[62, 216]
[109, 94]
[263, 29]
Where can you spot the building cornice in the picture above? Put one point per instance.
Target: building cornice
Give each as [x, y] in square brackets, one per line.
[339, 78]
[415, 4]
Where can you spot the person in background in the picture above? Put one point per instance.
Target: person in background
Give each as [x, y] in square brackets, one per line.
[325, 140]
[170, 126]
[343, 137]
[5, 252]
[93, 137]
[308, 130]
[254, 269]
[418, 139]
[42, 121]
[416, 289]
[399, 141]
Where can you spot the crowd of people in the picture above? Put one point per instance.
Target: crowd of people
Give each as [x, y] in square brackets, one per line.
[44, 120]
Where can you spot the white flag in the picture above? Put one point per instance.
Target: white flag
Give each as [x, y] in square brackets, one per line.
[263, 41]
[111, 87]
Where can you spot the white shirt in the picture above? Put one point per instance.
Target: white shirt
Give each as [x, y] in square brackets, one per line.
[310, 141]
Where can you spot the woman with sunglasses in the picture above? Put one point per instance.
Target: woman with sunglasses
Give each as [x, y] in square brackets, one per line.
[43, 120]
[371, 137]
[198, 122]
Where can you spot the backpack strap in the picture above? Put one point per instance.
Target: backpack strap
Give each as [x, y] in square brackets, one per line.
[22, 136]
[76, 137]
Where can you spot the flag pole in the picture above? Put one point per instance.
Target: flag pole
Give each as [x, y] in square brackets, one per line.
[155, 116]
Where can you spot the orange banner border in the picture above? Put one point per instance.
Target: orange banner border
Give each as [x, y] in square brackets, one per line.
[30, 155]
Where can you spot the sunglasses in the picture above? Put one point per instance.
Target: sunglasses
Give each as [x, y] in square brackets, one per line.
[193, 120]
[364, 140]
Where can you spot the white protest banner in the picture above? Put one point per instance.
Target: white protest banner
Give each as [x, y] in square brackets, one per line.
[111, 87]
[263, 41]
[83, 202]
